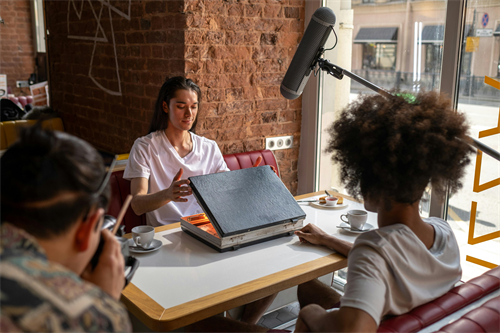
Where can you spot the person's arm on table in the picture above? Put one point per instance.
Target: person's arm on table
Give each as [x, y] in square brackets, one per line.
[314, 235]
[143, 202]
[313, 318]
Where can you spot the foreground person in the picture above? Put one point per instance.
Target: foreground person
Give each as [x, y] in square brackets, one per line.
[389, 150]
[51, 226]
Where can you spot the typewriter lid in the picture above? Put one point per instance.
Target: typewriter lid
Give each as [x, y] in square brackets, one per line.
[244, 200]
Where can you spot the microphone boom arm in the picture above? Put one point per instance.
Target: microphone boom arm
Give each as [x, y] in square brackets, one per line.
[338, 73]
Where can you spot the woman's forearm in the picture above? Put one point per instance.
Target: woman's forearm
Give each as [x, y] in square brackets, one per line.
[338, 245]
[144, 203]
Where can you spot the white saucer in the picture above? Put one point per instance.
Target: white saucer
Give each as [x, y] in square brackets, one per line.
[347, 228]
[155, 245]
[324, 206]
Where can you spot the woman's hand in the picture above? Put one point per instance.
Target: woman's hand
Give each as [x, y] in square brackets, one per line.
[312, 234]
[257, 163]
[179, 188]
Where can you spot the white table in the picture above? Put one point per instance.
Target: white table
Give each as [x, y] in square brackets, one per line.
[186, 281]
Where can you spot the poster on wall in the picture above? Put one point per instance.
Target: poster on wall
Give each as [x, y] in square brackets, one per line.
[39, 93]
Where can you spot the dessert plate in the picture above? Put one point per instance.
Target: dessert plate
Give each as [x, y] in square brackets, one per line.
[324, 206]
[155, 245]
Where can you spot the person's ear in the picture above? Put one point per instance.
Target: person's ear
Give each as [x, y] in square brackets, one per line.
[87, 228]
[165, 107]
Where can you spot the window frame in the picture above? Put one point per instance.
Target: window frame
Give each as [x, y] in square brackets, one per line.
[311, 100]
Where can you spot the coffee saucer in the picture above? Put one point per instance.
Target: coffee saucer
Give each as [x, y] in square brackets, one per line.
[346, 227]
[155, 245]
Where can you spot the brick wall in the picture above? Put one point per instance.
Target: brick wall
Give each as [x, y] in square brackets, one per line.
[16, 43]
[237, 51]
[146, 44]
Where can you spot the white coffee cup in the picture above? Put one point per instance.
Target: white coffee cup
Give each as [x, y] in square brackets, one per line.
[143, 236]
[355, 218]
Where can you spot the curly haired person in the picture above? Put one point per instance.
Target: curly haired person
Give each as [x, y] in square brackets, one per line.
[389, 150]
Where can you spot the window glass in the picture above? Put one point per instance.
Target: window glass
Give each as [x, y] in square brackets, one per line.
[474, 212]
[392, 44]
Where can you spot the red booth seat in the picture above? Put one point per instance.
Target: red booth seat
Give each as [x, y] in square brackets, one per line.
[120, 188]
[483, 319]
[455, 299]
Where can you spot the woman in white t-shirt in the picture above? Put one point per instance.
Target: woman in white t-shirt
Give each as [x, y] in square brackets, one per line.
[388, 151]
[160, 162]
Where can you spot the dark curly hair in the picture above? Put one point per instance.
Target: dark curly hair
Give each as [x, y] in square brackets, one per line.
[394, 147]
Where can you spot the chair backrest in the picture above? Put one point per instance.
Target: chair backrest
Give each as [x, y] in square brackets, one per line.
[247, 159]
[120, 187]
[9, 130]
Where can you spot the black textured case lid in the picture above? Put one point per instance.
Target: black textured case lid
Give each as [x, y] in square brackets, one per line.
[245, 200]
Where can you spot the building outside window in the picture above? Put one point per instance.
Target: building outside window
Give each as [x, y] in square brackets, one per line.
[379, 56]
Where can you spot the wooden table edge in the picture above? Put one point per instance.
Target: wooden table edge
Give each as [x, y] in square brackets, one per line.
[157, 318]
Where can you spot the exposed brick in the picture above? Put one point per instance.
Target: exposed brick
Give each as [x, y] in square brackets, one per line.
[135, 38]
[253, 10]
[155, 7]
[287, 116]
[273, 11]
[269, 117]
[237, 51]
[145, 24]
[271, 104]
[235, 9]
[292, 12]
[234, 147]
[155, 37]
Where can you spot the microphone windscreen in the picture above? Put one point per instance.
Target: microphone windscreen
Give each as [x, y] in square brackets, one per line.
[314, 38]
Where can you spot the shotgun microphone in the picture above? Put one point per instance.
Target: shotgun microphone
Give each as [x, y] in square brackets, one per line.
[308, 51]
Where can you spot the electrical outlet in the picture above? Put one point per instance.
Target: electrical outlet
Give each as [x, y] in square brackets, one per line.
[22, 84]
[279, 142]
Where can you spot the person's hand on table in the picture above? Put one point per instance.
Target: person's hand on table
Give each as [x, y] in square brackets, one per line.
[257, 163]
[109, 272]
[312, 234]
[179, 188]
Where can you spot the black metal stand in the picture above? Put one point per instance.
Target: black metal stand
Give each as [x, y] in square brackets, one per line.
[338, 73]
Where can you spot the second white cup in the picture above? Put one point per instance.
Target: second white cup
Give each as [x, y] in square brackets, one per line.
[355, 218]
[143, 236]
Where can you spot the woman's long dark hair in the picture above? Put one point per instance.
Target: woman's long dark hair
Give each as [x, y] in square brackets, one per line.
[167, 92]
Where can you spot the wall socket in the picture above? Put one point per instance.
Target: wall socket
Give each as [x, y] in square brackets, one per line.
[22, 84]
[279, 142]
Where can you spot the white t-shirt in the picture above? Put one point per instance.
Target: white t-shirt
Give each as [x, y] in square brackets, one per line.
[154, 158]
[390, 271]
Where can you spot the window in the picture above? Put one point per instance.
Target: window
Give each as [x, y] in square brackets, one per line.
[379, 56]
[433, 56]
[413, 36]
[473, 212]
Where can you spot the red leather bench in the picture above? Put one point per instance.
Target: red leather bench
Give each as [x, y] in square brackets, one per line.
[454, 300]
[486, 318]
[120, 188]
